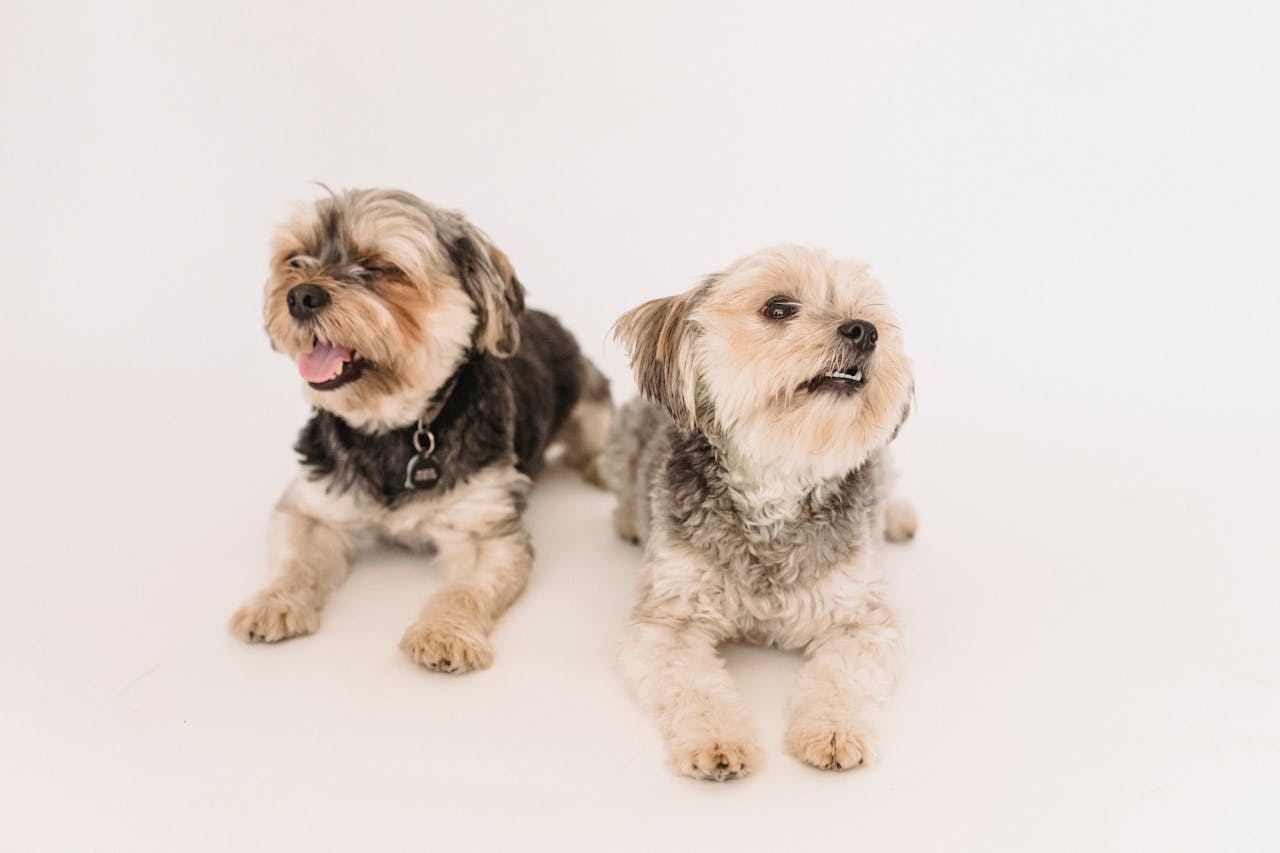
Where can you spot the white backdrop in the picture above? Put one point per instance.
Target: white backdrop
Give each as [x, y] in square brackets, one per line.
[1075, 207]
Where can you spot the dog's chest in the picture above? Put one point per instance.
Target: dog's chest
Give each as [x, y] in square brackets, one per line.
[781, 544]
[392, 469]
[789, 571]
[768, 545]
[491, 499]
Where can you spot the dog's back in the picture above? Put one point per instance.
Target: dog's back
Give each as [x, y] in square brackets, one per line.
[558, 394]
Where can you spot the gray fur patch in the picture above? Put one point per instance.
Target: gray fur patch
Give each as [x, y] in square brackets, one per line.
[677, 480]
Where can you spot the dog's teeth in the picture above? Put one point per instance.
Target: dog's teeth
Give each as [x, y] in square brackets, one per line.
[857, 377]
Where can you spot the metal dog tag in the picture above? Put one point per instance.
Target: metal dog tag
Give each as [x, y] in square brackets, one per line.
[421, 473]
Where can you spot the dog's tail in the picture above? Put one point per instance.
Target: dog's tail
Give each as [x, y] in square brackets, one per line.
[630, 454]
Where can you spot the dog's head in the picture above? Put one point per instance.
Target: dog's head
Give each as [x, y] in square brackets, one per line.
[788, 356]
[379, 297]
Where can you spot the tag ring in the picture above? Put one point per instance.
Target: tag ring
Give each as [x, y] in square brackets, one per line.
[431, 442]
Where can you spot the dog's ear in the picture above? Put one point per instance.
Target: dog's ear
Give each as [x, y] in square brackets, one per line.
[657, 336]
[491, 282]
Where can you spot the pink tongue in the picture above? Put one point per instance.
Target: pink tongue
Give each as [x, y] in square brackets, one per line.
[322, 362]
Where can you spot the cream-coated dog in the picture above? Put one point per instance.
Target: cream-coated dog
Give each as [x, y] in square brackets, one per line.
[756, 472]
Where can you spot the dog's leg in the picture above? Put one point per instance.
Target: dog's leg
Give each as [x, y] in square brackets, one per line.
[584, 437]
[675, 672]
[618, 464]
[485, 551]
[310, 559]
[486, 573]
[900, 521]
[840, 690]
[587, 427]
[635, 440]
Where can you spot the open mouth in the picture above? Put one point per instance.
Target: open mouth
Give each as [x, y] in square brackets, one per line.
[847, 380]
[330, 365]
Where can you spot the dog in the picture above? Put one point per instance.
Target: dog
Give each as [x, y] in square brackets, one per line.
[436, 396]
[755, 470]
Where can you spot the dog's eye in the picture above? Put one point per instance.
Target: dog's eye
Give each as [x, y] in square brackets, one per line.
[377, 268]
[296, 262]
[779, 308]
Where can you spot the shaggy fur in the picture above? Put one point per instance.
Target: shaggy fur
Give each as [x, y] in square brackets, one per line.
[757, 475]
[430, 320]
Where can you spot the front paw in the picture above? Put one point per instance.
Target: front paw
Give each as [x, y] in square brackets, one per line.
[828, 743]
[269, 617]
[716, 758]
[445, 647]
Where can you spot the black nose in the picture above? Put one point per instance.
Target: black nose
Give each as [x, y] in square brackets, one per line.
[861, 334]
[306, 299]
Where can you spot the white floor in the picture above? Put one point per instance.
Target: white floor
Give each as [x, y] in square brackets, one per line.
[1075, 211]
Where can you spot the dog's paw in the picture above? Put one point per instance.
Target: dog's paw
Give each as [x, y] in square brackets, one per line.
[717, 759]
[829, 745]
[591, 473]
[447, 647]
[625, 524]
[269, 617]
[900, 522]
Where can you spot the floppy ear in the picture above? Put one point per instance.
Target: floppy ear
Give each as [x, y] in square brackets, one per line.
[490, 281]
[657, 336]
